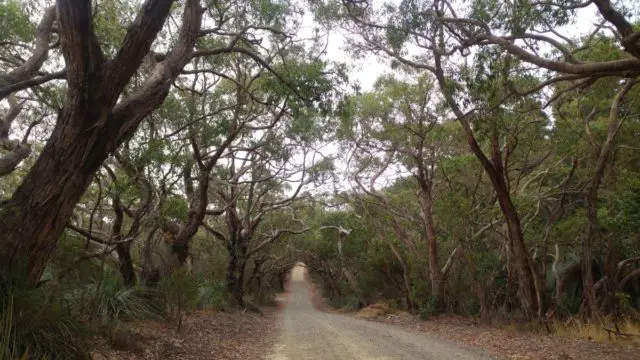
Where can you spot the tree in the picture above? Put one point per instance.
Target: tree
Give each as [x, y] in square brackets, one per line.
[397, 122]
[440, 35]
[252, 190]
[101, 111]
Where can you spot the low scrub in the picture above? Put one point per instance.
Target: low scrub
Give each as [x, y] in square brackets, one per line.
[37, 324]
[625, 331]
[113, 301]
[212, 296]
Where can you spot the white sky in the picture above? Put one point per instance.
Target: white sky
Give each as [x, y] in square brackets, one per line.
[366, 71]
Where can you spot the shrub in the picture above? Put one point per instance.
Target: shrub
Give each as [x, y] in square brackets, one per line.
[212, 296]
[181, 294]
[114, 301]
[570, 304]
[36, 324]
[429, 307]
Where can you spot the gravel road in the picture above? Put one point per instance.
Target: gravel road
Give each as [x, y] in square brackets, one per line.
[309, 334]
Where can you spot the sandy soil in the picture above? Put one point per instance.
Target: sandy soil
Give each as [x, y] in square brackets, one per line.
[309, 334]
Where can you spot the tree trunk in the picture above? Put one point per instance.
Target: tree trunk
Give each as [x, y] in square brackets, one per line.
[40, 208]
[235, 271]
[593, 231]
[436, 277]
[522, 261]
[150, 275]
[125, 264]
[495, 170]
[589, 297]
[88, 128]
[405, 277]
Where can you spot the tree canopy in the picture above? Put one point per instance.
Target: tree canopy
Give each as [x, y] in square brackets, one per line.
[491, 167]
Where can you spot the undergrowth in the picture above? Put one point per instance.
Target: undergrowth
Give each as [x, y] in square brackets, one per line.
[36, 324]
[58, 321]
[115, 301]
[623, 331]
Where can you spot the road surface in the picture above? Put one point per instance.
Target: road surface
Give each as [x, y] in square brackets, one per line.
[309, 334]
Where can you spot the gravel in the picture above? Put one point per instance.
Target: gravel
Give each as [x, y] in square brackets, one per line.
[309, 334]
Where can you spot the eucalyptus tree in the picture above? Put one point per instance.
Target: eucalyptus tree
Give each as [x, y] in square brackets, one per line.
[439, 36]
[263, 178]
[398, 123]
[601, 141]
[103, 106]
[24, 48]
[130, 196]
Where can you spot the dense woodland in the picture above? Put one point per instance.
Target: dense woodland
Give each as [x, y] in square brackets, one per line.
[161, 156]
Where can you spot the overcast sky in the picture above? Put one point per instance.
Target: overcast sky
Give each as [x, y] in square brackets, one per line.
[366, 71]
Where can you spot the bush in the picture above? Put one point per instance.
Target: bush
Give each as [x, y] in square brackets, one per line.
[181, 294]
[428, 307]
[36, 324]
[212, 296]
[114, 301]
[570, 304]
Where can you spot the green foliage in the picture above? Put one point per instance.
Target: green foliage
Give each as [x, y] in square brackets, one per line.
[570, 304]
[174, 207]
[109, 20]
[180, 292]
[113, 301]
[14, 22]
[429, 307]
[213, 296]
[39, 324]
[626, 206]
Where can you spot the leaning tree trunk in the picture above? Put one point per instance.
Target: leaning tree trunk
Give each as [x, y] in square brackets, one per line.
[125, 264]
[592, 230]
[39, 210]
[88, 128]
[524, 270]
[495, 170]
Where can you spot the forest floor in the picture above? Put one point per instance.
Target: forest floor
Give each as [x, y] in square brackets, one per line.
[233, 335]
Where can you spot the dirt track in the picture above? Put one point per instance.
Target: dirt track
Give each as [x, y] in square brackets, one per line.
[309, 334]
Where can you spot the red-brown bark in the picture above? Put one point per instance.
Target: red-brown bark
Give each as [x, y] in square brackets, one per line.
[89, 127]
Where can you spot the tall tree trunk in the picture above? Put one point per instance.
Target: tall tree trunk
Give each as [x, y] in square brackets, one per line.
[235, 270]
[405, 276]
[40, 208]
[89, 127]
[522, 260]
[497, 174]
[436, 277]
[150, 275]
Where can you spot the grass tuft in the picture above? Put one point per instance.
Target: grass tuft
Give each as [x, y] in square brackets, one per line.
[629, 331]
[35, 324]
